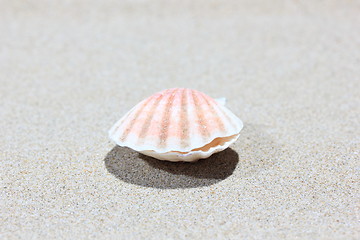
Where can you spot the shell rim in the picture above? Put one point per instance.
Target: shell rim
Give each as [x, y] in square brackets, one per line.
[121, 144]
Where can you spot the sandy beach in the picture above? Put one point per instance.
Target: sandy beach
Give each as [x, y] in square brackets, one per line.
[289, 69]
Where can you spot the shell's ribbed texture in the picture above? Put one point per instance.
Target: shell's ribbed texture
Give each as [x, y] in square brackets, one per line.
[175, 120]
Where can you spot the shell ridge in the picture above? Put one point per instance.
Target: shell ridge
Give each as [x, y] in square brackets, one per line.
[165, 121]
[226, 115]
[130, 124]
[214, 113]
[114, 132]
[200, 117]
[149, 118]
[184, 120]
[231, 118]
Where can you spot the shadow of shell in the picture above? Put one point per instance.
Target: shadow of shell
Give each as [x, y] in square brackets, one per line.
[132, 167]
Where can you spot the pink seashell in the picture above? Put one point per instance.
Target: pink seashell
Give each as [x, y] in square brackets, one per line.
[177, 125]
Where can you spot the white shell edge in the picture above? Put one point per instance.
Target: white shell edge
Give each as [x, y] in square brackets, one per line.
[191, 156]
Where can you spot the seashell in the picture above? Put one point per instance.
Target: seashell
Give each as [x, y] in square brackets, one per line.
[177, 125]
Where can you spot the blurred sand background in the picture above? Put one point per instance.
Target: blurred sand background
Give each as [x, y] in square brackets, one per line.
[289, 69]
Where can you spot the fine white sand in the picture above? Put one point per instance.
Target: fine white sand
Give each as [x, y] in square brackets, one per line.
[289, 69]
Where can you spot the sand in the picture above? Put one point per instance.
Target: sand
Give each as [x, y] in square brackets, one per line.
[289, 69]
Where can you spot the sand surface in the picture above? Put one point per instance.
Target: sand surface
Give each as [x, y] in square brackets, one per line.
[289, 69]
